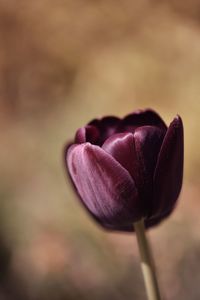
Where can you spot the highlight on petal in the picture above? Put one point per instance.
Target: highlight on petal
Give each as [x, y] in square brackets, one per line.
[85, 134]
[121, 147]
[105, 187]
[142, 118]
[168, 174]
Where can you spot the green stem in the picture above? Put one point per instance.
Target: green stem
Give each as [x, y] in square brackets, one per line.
[147, 264]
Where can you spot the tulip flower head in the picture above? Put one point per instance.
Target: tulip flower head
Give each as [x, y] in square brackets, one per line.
[129, 169]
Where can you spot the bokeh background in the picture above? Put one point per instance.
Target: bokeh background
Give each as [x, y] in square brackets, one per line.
[63, 63]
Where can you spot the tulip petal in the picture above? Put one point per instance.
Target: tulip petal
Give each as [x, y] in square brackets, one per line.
[85, 134]
[105, 187]
[169, 169]
[123, 228]
[148, 223]
[106, 126]
[142, 118]
[121, 147]
[148, 140]
[156, 220]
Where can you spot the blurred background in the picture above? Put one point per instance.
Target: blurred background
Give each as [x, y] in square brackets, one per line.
[63, 63]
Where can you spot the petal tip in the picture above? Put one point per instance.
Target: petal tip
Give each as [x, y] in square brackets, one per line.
[177, 123]
[178, 118]
[89, 133]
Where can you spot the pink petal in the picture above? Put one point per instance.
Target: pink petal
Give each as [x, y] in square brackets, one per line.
[121, 147]
[105, 187]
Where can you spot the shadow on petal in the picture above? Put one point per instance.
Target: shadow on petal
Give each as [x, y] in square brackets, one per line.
[168, 174]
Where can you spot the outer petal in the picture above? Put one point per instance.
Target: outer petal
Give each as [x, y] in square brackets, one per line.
[106, 126]
[85, 134]
[156, 220]
[130, 228]
[105, 187]
[148, 140]
[121, 147]
[169, 170]
[142, 118]
[123, 228]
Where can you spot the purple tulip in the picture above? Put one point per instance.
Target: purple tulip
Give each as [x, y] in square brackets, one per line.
[127, 169]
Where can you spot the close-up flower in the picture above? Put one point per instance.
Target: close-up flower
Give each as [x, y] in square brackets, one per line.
[128, 169]
[99, 156]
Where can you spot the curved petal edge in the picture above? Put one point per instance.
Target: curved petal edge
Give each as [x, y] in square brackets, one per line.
[168, 174]
[105, 187]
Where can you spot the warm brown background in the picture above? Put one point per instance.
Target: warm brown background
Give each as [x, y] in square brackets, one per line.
[61, 64]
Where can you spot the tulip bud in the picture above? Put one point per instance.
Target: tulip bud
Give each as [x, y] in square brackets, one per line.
[127, 169]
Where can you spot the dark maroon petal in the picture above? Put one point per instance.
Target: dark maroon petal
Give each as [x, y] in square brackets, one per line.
[85, 134]
[148, 140]
[105, 187]
[123, 228]
[169, 169]
[106, 126]
[156, 220]
[149, 223]
[121, 147]
[108, 121]
[142, 118]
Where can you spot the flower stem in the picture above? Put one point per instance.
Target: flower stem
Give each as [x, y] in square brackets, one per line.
[147, 264]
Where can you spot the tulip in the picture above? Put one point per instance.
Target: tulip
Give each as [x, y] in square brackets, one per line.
[129, 169]
[128, 174]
